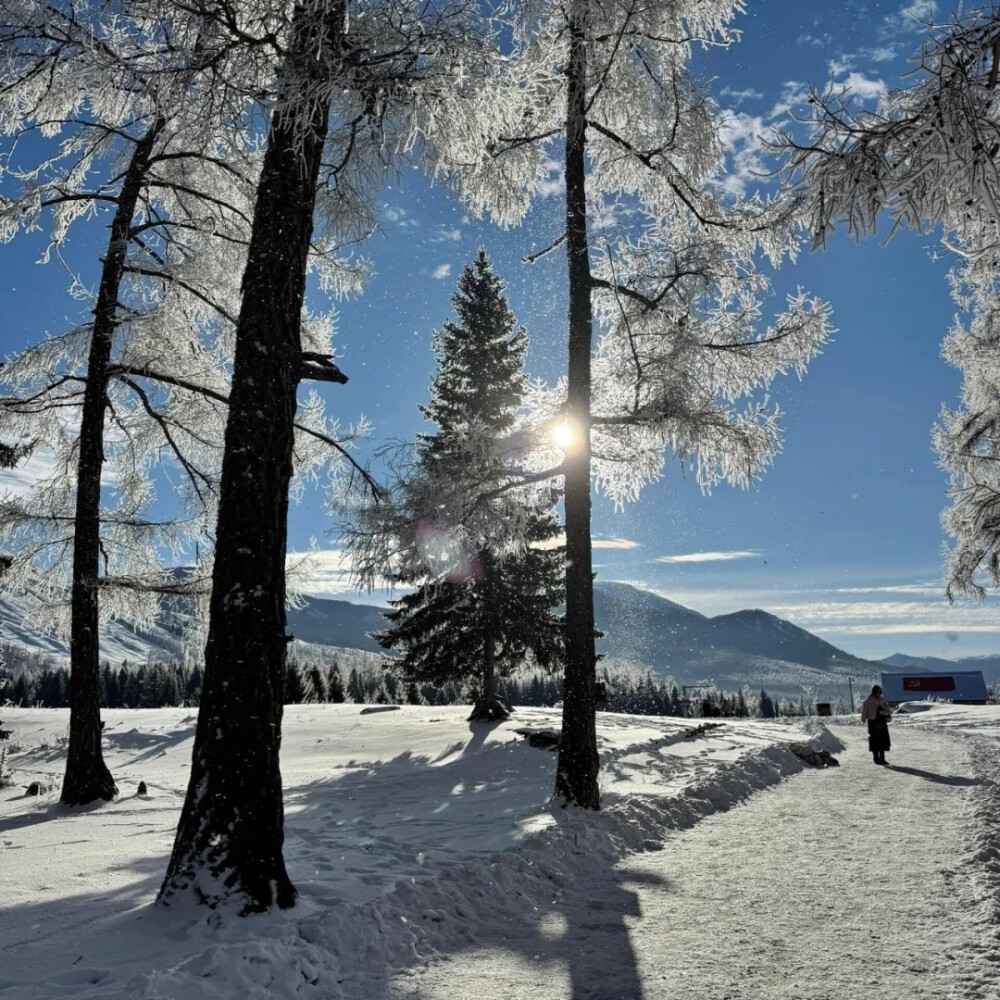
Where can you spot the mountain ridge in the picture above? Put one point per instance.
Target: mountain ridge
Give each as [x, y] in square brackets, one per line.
[988, 664]
[642, 629]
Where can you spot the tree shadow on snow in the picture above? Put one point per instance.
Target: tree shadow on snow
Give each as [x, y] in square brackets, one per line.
[146, 745]
[572, 942]
[74, 941]
[941, 779]
[412, 817]
[420, 801]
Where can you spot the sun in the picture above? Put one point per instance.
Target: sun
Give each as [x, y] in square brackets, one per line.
[565, 435]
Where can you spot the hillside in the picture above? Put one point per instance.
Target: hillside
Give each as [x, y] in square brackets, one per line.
[748, 647]
[641, 629]
[119, 640]
[327, 622]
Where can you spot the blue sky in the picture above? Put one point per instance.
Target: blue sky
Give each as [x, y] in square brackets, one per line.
[842, 534]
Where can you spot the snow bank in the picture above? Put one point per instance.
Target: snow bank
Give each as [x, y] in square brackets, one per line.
[406, 832]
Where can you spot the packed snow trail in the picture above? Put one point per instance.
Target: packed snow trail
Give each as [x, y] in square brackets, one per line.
[849, 882]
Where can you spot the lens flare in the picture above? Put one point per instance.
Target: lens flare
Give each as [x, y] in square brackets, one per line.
[566, 435]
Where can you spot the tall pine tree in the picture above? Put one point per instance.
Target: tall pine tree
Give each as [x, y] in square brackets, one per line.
[481, 606]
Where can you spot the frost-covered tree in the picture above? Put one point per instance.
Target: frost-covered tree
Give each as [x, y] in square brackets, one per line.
[666, 272]
[341, 109]
[928, 157]
[133, 123]
[967, 439]
[123, 136]
[480, 605]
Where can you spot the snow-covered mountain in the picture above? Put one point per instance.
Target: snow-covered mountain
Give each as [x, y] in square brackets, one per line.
[641, 628]
[119, 640]
[650, 629]
[319, 622]
[989, 665]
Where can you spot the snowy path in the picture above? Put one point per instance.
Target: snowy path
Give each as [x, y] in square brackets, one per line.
[835, 884]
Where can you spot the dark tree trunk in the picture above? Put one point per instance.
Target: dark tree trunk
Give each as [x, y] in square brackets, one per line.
[230, 835]
[577, 770]
[87, 776]
[489, 707]
[490, 671]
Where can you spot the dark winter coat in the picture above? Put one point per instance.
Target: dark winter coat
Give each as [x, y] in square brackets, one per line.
[878, 734]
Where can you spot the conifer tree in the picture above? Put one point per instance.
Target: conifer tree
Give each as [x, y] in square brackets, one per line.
[664, 299]
[479, 607]
[354, 689]
[335, 686]
[318, 683]
[294, 690]
[339, 116]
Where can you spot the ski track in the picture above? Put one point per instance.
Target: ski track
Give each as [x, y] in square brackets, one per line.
[842, 883]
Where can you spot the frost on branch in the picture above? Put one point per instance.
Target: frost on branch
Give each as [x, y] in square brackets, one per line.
[681, 344]
[931, 157]
[967, 439]
[663, 279]
[927, 157]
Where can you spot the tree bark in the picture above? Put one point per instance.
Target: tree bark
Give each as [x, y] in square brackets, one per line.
[488, 707]
[87, 776]
[229, 839]
[577, 769]
[490, 670]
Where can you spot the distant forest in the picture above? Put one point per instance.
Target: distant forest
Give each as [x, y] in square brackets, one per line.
[31, 679]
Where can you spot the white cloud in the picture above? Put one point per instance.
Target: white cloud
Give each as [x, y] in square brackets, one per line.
[912, 18]
[549, 182]
[886, 617]
[840, 65]
[742, 137]
[700, 557]
[447, 235]
[327, 573]
[315, 569]
[596, 543]
[399, 216]
[881, 53]
[794, 97]
[441, 271]
[613, 543]
[739, 96]
[861, 86]
[891, 628]
[920, 589]
[26, 475]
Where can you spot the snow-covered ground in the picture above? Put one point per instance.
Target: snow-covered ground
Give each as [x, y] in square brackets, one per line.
[431, 864]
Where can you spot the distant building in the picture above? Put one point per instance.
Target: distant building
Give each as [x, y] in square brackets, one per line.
[963, 687]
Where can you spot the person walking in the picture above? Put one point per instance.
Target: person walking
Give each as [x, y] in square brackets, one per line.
[876, 713]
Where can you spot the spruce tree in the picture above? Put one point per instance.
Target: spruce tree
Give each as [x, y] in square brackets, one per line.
[318, 683]
[335, 686]
[355, 691]
[480, 606]
[294, 689]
